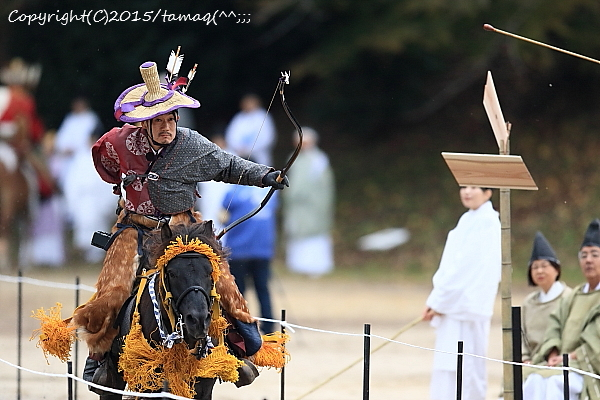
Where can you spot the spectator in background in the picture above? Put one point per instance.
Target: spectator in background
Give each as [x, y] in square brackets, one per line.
[461, 303]
[573, 329]
[308, 210]
[210, 203]
[73, 137]
[66, 149]
[90, 202]
[46, 247]
[241, 135]
[544, 273]
[25, 169]
[252, 243]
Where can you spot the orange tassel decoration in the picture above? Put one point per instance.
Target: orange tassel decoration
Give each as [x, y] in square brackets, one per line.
[272, 353]
[56, 336]
[145, 367]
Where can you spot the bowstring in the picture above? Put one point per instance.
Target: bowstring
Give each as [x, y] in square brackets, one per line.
[253, 144]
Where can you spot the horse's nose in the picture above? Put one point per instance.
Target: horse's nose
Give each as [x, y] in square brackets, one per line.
[197, 323]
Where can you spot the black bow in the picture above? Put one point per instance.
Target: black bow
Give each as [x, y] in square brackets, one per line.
[283, 80]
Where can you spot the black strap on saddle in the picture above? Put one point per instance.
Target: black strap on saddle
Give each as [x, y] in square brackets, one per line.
[123, 320]
[104, 240]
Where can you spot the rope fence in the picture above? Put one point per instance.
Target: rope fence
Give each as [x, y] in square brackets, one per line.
[39, 282]
[284, 324]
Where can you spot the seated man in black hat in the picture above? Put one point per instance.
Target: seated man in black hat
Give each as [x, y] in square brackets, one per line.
[573, 329]
[159, 164]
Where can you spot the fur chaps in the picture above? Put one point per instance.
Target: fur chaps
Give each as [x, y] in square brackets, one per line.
[96, 318]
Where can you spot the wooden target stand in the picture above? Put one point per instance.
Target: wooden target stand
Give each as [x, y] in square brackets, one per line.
[505, 172]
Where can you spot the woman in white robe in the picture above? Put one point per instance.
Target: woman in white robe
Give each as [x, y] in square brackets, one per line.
[461, 303]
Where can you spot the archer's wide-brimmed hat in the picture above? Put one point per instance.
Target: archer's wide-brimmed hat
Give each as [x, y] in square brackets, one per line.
[151, 98]
[18, 72]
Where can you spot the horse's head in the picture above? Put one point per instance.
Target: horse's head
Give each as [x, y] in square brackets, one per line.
[188, 278]
[188, 275]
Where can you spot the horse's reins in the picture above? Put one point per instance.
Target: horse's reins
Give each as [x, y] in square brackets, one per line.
[168, 296]
[172, 308]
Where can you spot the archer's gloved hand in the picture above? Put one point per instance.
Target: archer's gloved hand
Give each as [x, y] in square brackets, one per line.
[270, 179]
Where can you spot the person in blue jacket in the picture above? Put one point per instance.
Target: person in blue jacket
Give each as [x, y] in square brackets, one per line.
[252, 243]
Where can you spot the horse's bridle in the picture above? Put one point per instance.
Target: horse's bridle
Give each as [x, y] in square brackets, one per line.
[209, 299]
[173, 309]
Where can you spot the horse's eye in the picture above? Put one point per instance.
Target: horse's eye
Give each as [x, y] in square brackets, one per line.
[171, 274]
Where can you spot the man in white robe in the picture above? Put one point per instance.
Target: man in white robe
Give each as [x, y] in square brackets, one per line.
[242, 134]
[461, 303]
[73, 137]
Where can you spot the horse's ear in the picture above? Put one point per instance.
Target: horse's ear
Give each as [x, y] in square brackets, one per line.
[165, 233]
[209, 226]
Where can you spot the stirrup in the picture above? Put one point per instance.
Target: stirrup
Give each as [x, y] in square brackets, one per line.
[247, 374]
[103, 373]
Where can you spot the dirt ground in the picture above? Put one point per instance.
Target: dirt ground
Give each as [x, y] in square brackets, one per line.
[339, 305]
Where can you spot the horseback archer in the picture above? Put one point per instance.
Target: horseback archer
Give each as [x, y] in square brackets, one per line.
[158, 164]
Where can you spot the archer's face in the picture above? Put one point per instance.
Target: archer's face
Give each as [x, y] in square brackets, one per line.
[164, 128]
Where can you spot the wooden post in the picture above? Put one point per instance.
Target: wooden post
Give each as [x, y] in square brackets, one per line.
[506, 285]
[479, 170]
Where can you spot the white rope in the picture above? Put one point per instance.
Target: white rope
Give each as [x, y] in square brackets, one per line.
[291, 326]
[107, 389]
[490, 359]
[285, 324]
[39, 282]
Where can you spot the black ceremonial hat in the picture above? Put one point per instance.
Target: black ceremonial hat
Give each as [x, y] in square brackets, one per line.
[592, 235]
[542, 250]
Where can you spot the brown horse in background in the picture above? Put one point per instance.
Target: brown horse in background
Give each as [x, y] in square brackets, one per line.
[14, 197]
[23, 171]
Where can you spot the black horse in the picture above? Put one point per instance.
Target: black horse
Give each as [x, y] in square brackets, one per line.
[188, 281]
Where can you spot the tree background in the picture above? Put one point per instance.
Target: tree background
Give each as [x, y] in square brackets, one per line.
[388, 85]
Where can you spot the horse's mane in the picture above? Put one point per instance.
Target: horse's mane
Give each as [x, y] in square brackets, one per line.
[156, 243]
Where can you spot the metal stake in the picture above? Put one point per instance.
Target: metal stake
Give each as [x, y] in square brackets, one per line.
[517, 355]
[19, 330]
[70, 380]
[459, 370]
[367, 361]
[566, 377]
[282, 387]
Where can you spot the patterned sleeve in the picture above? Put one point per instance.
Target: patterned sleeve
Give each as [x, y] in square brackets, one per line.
[106, 158]
[233, 169]
[193, 158]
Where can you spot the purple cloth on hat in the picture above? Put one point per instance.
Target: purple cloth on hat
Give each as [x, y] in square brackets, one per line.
[162, 99]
